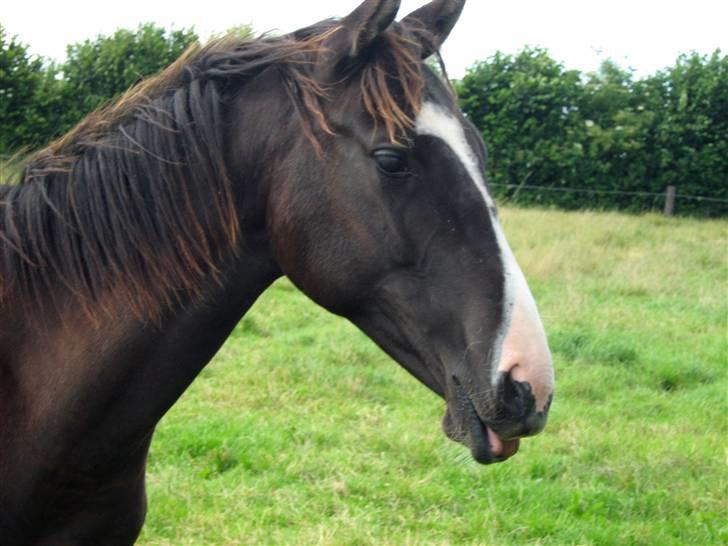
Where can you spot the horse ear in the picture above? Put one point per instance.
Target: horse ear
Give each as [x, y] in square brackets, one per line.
[437, 18]
[360, 28]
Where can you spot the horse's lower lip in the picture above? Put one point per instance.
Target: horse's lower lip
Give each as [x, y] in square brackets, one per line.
[501, 449]
[485, 445]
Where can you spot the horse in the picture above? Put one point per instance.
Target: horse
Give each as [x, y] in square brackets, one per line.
[333, 155]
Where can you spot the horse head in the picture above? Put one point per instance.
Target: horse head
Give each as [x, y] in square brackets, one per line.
[384, 216]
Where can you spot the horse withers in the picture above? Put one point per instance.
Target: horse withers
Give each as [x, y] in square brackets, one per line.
[134, 244]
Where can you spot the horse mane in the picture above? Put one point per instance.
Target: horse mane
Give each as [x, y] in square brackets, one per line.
[137, 201]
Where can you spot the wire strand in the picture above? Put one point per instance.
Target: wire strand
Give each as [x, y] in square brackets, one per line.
[610, 192]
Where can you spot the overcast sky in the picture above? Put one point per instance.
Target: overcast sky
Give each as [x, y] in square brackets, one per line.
[642, 34]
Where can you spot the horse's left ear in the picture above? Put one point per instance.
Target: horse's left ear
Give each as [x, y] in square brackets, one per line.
[360, 28]
[437, 18]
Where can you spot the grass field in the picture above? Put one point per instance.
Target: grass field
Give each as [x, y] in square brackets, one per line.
[302, 432]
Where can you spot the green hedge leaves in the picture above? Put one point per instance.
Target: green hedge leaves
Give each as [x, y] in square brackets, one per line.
[601, 136]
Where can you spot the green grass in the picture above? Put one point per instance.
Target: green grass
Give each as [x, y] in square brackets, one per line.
[302, 432]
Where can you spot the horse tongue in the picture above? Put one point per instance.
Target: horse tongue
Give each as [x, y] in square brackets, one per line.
[502, 449]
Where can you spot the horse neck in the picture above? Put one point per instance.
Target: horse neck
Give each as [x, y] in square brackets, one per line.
[79, 404]
[120, 373]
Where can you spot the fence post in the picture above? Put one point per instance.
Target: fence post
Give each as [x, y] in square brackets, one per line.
[670, 200]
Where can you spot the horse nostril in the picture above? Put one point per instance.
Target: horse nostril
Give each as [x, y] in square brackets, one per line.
[517, 415]
[516, 398]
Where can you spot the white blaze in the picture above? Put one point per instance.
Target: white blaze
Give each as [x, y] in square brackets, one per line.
[520, 346]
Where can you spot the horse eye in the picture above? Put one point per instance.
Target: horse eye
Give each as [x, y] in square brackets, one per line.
[392, 162]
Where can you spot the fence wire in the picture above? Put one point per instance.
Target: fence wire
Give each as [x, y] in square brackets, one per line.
[609, 192]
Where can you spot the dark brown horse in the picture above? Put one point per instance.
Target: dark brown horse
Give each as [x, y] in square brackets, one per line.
[133, 246]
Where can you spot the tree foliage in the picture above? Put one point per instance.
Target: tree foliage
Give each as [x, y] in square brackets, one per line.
[27, 104]
[558, 129]
[546, 126]
[525, 105]
[691, 125]
[40, 101]
[97, 70]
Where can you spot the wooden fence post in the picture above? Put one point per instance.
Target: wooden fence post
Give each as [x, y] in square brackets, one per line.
[670, 200]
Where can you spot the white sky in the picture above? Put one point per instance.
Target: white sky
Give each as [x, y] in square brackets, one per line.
[642, 34]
